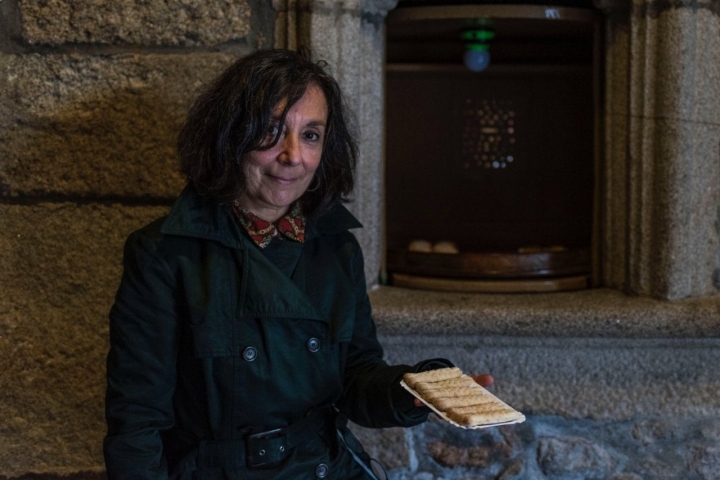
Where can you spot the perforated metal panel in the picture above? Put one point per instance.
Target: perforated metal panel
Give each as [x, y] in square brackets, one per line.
[488, 133]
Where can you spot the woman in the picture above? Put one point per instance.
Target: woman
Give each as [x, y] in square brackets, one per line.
[241, 335]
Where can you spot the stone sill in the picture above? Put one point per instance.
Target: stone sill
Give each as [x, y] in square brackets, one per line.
[589, 313]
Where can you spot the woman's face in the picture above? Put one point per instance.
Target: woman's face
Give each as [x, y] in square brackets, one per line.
[276, 177]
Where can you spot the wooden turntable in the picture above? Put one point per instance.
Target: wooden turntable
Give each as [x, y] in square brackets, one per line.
[542, 271]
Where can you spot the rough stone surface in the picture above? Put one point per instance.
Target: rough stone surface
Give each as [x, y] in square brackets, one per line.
[52, 476]
[386, 445]
[705, 461]
[349, 36]
[444, 450]
[617, 106]
[676, 249]
[662, 124]
[81, 125]
[453, 456]
[627, 476]
[60, 267]
[171, 22]
[9, 25]
[514, 470]
[368, 92]
[573, 455]
[555, 448]
[651, 431]
[588, 313]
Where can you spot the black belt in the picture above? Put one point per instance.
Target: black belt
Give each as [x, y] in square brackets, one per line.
[267, 448]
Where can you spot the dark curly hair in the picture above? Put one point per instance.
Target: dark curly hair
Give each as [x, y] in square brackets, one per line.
[233, 114]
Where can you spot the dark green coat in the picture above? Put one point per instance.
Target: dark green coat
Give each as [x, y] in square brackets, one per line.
[196, 296]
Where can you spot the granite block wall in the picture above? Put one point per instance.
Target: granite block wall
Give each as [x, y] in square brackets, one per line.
[60, 266]
[662, 152]
[91, 96]
[175, 22]
[81, 125]
[349, 35]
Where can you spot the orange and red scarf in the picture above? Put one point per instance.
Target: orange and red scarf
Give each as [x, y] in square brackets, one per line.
[291, 226]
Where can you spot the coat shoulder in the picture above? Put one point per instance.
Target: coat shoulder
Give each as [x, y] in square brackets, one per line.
[152, 241]
[152, 231]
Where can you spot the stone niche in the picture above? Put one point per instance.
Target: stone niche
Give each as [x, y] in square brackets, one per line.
[616, 382]
[660, 194]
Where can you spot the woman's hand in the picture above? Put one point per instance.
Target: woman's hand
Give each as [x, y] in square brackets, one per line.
[483, 380]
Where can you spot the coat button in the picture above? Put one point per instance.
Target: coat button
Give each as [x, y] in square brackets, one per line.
[313, 344]
[250, 354]
[321, 471]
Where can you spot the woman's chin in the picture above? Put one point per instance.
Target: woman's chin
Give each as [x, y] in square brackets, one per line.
[280, 203]
[284, 202]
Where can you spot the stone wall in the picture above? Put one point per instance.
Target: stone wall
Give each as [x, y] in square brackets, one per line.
[91, 96]
[548, 447]
[662, 162]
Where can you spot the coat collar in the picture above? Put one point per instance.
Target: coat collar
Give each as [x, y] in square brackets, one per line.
[195, 216]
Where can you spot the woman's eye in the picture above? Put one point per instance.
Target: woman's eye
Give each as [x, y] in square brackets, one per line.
[312, 136]
[272, 131]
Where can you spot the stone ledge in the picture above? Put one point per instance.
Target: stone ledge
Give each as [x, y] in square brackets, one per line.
[588, 313]
[599, 378]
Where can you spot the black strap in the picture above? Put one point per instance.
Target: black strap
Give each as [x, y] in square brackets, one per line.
[275, 444]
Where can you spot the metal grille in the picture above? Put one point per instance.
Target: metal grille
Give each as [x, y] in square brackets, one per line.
[488, 133]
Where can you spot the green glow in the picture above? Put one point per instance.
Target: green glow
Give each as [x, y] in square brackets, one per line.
[478, 35]
[477, 46]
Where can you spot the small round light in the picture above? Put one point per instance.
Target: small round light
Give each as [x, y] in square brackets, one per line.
[476, 60]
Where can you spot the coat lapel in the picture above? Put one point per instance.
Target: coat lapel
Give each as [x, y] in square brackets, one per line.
[324, 293]
[268, 292]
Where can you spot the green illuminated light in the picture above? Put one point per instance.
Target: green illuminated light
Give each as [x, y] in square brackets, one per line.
[478, 35]
[477, 46]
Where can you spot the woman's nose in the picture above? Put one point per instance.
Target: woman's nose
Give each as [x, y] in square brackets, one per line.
[290, 153]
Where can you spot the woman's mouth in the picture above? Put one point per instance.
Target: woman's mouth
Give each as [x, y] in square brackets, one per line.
[282, 180]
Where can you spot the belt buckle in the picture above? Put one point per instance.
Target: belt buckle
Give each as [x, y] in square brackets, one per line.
[266, 449]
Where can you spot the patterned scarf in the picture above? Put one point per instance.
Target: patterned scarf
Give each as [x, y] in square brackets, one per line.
[291, 226]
